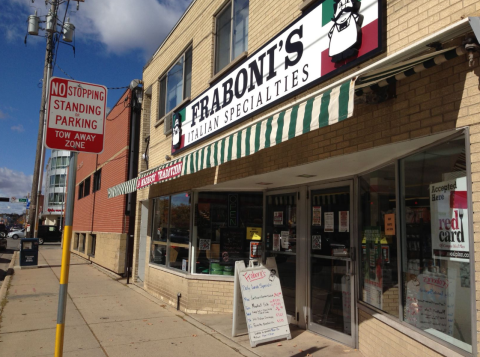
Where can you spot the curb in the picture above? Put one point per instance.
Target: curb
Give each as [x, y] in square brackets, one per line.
[6, 281]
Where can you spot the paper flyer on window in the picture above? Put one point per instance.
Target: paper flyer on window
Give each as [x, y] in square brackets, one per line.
[329, 222]
[316, 216]
[343, 221]
[449, 220]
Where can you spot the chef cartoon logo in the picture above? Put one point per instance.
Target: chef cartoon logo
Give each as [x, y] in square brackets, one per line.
[346, 32]
[177, 131]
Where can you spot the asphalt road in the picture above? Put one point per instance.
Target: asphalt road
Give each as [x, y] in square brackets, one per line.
[6, 256]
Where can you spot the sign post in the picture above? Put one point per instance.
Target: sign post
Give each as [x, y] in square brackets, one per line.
[76, 123]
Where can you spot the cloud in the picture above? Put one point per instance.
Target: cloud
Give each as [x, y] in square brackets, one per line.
[18, 128]
[120, 25]
[125, 25]
[3, 115]
[13, 184]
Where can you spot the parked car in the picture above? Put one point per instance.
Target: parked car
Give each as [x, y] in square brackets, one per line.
[3, 243]
[17, 234]
[49, 234]
[3, 231]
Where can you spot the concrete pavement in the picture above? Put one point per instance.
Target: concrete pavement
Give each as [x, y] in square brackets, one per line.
[108, 318]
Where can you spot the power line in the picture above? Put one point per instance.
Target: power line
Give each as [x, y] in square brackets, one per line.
[112, 119]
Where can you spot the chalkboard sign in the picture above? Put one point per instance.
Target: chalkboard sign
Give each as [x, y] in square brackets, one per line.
[232, 243]
[262, 297]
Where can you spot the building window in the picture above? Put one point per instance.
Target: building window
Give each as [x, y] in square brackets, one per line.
[222, 221]
[175, 86]
[97, 180]
[81, 243]
[56, 198]
[75, 241]
[377, 217]
[171, 231]
[231, 33]
[93, 244]
[86, 191]
[59, 162]
[80, 190]
[436, 263]
[57, 180]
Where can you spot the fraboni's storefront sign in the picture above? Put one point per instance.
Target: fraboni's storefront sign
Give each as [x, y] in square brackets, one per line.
[332, 37]
[449, 222]
[160, 175]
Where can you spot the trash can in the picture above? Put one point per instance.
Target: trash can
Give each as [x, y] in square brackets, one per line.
[28, 252]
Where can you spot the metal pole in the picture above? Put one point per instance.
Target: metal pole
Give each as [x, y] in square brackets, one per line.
[65, 269]
[40, 140]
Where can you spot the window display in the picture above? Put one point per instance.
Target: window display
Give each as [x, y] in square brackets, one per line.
[377, 217]
[435, 243]
[225, 228]
[281, 242]
[171, 231]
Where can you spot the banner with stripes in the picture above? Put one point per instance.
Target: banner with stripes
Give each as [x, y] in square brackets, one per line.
[325, 109]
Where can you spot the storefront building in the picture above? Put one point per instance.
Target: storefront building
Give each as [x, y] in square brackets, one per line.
[340, 138]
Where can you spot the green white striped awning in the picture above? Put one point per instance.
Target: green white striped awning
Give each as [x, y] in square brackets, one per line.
[325, 109]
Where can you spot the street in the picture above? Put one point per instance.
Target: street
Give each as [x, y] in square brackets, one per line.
[6, 256]
[106, 317]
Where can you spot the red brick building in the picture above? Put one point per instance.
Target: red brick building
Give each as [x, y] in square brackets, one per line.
[100, 225]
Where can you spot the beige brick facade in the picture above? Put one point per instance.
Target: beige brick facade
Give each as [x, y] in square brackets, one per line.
[441, 98]
[109, 252]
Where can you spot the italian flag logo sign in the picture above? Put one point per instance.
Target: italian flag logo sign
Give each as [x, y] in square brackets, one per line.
[353, 31]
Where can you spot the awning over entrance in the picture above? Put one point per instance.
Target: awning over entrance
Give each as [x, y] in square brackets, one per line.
[325, 109]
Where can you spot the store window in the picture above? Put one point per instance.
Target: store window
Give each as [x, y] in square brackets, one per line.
[176, 85]
[75, 241]
[81, 243]
[93, 244]
[231, 33]
[378, 235]
[281, 242]
[229, 228]
[171, 231]
[436, 242]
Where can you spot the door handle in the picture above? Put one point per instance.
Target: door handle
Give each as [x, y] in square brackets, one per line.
[349, 268]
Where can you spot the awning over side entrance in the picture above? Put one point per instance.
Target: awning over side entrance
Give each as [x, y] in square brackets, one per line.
[391, 74]
[325, 109]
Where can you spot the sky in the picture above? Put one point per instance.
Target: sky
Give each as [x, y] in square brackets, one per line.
[113, 41]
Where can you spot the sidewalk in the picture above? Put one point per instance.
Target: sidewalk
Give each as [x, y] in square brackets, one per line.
[107, 318]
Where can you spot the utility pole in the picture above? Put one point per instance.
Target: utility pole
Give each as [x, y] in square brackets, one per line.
[38, 169]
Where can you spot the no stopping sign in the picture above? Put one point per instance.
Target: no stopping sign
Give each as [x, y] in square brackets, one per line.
[76, 116]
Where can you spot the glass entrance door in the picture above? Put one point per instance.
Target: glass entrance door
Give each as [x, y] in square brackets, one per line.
[331, 268]
[282, 213]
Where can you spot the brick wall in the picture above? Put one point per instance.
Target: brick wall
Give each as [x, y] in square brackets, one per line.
[377, 339]
[109, 251]
[96, 213]
[198, 296]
